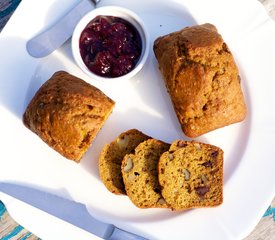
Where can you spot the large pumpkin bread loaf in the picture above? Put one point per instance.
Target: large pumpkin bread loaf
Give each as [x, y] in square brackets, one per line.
[201, 77]
[67, 113]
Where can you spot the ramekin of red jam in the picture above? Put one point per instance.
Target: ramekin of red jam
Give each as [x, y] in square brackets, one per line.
[110, 43]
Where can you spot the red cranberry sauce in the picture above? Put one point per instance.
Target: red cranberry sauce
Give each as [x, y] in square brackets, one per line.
[110, 46]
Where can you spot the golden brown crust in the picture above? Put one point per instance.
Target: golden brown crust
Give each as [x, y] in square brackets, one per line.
[111, 158]
[67, 113]
[191, 175]
[202, 79]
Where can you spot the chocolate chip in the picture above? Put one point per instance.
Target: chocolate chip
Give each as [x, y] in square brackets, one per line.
[214, 171]
[214, 154]
[239, 78]
[202, 190]
[181, 144]
[207, 164]
[136, 173]
[157, 190]
[188, 188]
[41, 105]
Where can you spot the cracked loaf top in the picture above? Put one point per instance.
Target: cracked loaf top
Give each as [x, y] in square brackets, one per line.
[67, 113]
[202, 79]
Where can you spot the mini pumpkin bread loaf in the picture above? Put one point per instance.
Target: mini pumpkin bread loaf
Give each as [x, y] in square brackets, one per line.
[191, 175]
[202, 79]
[67, 113]
[140, 174]
[111, 158]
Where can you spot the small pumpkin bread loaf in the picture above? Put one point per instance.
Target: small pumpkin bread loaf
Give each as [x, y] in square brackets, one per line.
[67, 113]
[202, 79]
[112, 155]
[140, 174]
[191, 175]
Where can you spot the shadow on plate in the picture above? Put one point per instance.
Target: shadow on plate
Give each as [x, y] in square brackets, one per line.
[143, 216]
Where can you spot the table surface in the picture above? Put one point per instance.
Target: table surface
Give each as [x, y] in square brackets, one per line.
[265, 230]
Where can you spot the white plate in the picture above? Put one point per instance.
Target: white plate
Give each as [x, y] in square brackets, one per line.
[143, 103]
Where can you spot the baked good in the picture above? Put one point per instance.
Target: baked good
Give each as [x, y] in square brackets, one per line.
[67, 113]
[140, 175]
[201, 78]
[191, 175]
[111, 158]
